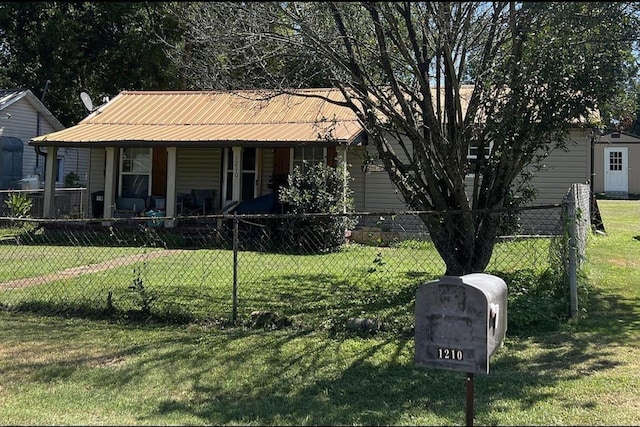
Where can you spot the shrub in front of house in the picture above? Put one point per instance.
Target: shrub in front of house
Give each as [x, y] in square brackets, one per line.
[319, 189]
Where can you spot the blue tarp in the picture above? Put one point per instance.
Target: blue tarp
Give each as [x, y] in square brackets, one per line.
[259, 205]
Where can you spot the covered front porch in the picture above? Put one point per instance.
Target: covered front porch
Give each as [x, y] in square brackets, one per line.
[161, 150]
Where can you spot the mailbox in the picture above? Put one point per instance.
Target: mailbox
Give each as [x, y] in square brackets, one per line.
[460, 322]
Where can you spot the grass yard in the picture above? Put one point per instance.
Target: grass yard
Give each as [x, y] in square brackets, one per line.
[75, 371]
[313, 290]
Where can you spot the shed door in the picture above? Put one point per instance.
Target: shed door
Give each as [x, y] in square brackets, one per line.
[616, 170]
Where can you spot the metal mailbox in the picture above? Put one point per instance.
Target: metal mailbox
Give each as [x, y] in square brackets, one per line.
[460, 322]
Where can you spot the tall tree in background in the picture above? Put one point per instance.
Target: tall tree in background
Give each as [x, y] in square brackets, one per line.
[534, 68]
[97, 47]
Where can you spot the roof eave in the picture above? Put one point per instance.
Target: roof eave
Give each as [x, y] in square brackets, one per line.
[192, 144]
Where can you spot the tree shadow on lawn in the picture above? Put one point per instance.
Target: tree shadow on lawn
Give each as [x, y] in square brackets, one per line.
[318, 298]
[379, 385]
[370, 393]
[610, 316]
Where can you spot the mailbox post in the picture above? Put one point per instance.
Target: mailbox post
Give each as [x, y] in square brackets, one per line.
[461, 321]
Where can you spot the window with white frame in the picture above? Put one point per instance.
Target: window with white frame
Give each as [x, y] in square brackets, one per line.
[304, 157]
[472, 156]
[135, 172]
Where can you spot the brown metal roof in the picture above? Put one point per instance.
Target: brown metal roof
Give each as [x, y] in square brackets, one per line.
[197, 117]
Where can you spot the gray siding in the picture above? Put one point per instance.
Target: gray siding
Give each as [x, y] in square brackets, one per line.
[23, 124]
[95, 180]
[97, 165]
[200, 168]
[562, 169]
[266, 172]
[374, 192]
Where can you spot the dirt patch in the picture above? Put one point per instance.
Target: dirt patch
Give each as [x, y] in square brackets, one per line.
[84, 269]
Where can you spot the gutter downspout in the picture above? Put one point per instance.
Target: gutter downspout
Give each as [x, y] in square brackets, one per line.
[39, 152]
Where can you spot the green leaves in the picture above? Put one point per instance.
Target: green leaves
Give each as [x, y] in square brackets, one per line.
[101, 48]
[19, 204]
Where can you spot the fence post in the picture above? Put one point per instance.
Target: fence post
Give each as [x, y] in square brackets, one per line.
[234, 315]
[572, 225]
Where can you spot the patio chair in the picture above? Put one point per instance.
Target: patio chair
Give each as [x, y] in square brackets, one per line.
[127, 207]
[199, 202]
[157, 202]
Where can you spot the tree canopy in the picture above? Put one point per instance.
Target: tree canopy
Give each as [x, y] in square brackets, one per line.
[430, 81]
[97, 47]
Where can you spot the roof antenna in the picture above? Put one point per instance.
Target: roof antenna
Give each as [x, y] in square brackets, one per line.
[44, 92]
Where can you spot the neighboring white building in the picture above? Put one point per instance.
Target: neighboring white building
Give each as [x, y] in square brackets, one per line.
[23, 117]
[615, 173]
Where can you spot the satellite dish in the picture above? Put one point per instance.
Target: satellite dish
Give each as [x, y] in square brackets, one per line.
[86, 100]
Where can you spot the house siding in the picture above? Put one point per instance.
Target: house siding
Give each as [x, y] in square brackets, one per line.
[374, 192]
[199, 168]
[95, 181]
[23, 124]
[266, 173]
[564, 168]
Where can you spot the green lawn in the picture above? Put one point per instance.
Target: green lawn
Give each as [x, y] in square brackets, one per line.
[314, 290]
[61, 371]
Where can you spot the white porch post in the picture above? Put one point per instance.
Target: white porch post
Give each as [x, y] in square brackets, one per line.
[51, 171]
[110, 182]
[343, 150]
[171, 185]
[237, 175]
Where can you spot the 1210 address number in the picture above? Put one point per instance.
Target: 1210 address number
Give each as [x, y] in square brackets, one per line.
[450, 354]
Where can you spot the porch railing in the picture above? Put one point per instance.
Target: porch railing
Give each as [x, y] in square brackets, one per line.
[68, 202]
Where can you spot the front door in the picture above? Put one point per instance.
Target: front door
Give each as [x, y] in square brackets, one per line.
[616, 170]
[159, 172]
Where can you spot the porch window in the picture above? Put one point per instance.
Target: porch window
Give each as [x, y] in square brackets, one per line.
[304, 157]
[472, 156]
[59, 172]
[135, 172]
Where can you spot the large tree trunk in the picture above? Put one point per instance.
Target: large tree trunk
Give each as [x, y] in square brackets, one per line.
[464, 240]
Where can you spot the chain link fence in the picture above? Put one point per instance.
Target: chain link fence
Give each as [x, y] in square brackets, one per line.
[231, 268]
[576, 212]
[68, 203]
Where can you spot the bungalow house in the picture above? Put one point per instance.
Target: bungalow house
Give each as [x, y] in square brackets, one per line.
[613, 154]
[23, 117]
[154, 147]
